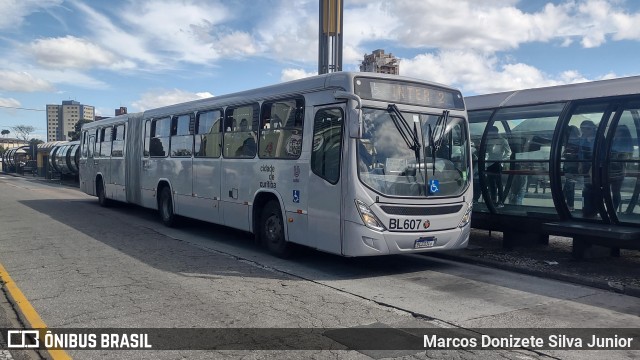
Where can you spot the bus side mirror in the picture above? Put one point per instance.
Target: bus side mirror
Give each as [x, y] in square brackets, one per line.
[354, 113]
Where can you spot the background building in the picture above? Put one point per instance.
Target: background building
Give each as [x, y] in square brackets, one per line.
[62, 119]
[121, 111]
[379, 62]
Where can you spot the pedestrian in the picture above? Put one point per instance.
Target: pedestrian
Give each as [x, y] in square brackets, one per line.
[498, 150]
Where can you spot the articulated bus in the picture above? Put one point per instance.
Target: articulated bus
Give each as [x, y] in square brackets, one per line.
[356, 164]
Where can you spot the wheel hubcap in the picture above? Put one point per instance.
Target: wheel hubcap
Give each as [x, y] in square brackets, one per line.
[273, 229]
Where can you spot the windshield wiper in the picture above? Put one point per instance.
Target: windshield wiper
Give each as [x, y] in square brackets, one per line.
[442, 121]
[437, 133]
[410, 137]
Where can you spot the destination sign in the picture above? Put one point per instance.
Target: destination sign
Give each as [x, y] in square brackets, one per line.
[408, 93]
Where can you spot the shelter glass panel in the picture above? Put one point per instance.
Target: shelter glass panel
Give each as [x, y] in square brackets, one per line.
[576, 163]
[517, 155]
[624, 166]
[477, 123]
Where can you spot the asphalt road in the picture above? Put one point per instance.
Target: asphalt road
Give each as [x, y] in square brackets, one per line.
[83, 266]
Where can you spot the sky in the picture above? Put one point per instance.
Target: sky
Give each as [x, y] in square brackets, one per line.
[143, 54]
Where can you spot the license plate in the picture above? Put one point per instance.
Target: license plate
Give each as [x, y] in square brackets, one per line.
[423, 243]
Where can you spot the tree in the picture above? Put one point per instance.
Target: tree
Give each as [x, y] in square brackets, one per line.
[77, 130]
[23, 131]
[5, 132]
[35, 141]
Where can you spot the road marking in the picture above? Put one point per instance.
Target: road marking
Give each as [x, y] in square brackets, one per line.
[27, 310]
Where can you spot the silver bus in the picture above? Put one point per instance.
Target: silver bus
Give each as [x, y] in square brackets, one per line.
[356, 164]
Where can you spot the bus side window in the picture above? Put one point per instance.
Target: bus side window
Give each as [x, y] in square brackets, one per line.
[181, 138]
[241, 126]
[117, 147]
[91, 146]
[327, 144]
[104, 140]
[84, 147]
[160, 134]
[281, 129]
[208, 139]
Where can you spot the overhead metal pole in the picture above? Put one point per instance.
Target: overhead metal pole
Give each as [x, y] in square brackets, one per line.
[330, 36]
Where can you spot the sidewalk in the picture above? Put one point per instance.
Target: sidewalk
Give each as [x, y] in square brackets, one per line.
[619, 274]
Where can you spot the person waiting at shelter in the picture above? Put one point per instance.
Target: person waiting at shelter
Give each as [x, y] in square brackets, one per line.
[476, 179]
[570, 165]
[498, 150]
[587, 140]
[519, 184]
[621, 150]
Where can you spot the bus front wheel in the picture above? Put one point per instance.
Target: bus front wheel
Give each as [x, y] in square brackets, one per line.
[272, 230]
[165, 207]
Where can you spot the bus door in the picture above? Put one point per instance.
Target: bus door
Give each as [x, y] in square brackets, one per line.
[154, 150]
[206, 165]
[91, 167]
[325, 180]
[82, 164]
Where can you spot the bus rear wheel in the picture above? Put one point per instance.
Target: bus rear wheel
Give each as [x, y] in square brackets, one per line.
[165, 207]
[272, 231]
[102, 196]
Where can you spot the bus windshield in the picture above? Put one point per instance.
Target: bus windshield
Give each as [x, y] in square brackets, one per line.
[390, 165]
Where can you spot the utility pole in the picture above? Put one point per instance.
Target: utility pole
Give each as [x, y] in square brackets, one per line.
[330, 36]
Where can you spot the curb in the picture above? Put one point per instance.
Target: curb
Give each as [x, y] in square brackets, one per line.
[598, 284]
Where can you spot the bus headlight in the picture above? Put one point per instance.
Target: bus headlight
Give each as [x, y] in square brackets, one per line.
[368, 217]
[467, 216]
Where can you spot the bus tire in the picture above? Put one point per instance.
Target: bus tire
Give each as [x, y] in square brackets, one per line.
[102, 195]
[272, 230]
[165, 208]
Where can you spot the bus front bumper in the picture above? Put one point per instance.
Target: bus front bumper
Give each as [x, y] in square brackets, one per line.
[359, 240]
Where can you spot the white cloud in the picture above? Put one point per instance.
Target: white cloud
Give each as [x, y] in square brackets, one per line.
[236, 44]
[486, 26]
[70, 77]
[115, 38]
[9, 103]
[182, 29]
[159, 98]
[295, 74]
[462, 24]
[75, 53]
[289, 31]
[476, 73]
[23, 82]
[14, 11]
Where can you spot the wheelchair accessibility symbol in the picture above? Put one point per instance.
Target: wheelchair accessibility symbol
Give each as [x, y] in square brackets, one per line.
[296, 196]
[434, 186]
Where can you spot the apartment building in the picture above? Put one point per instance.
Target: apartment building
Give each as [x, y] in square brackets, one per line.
[62, 119]
[379, 62]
